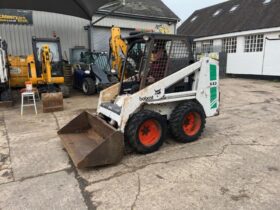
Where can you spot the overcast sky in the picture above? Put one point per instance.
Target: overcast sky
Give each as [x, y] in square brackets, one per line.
[184, 8]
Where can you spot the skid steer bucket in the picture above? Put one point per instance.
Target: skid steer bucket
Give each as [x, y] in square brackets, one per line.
[90, 141]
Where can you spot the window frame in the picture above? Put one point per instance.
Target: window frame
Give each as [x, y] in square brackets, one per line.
[254, 43]
[207, 46]
[194, 47]
[230, 45]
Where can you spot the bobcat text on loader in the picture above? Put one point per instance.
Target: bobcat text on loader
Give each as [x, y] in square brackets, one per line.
[165, 90]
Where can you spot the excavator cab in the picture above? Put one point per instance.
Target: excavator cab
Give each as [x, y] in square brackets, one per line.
[48, 50]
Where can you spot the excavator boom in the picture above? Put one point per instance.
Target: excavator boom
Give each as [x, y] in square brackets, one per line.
[118, 49]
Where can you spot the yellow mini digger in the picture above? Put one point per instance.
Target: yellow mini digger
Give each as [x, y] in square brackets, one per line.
[44, 68]
[165, 88]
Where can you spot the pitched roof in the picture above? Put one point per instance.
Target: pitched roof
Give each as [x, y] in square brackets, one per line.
[232, 16]
[79, 8]
[150, 9]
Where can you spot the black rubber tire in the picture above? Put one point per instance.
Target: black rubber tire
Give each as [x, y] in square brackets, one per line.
[133, 128]
[65, 91]
[6, 95]
[178, 118]
[89, 87]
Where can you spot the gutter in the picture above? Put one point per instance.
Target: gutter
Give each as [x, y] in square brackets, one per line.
[240, 33]
[137, 16]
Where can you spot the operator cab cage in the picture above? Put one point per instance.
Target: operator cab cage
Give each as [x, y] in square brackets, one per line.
[98, 59]
[55, 55]
[3, 45]
[152, 57]
[4, 66]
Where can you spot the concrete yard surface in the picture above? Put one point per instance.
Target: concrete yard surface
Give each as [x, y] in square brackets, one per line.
[235, 164]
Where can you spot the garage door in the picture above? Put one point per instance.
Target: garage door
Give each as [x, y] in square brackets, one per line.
[271, 65]
[101, 38]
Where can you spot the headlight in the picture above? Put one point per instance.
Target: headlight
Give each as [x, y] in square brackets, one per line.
[146, 38]
[113, 71]
[87, 72]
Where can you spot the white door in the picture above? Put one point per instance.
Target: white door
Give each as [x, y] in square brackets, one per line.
[271, 64]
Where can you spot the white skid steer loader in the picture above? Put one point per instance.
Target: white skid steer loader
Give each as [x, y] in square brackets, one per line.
[165, 90]
[5, 92]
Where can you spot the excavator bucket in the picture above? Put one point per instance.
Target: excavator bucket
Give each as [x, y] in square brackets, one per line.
[91, 142]
[52, 102]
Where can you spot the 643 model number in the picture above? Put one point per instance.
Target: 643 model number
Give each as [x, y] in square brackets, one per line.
[213, 83]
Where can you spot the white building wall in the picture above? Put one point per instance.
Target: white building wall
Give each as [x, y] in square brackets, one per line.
[240, 44]
[217, 45]
[271, 55]
[250, 63]
[198, 46]
[242, 62]
[245, 63]
[274, 35]
[69, 29]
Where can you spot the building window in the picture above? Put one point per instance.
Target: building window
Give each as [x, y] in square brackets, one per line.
[254, 43]
[207, 46]
[230, 45]
[194, 47]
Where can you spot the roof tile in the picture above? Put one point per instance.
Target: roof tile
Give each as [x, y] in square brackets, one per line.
[250, 15]
[147, 8]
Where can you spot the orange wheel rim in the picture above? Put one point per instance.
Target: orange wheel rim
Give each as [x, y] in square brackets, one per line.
[149, 132]
[192, 123]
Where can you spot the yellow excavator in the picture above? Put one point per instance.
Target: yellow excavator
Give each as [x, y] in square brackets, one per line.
[44, 68]
[118, 50]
